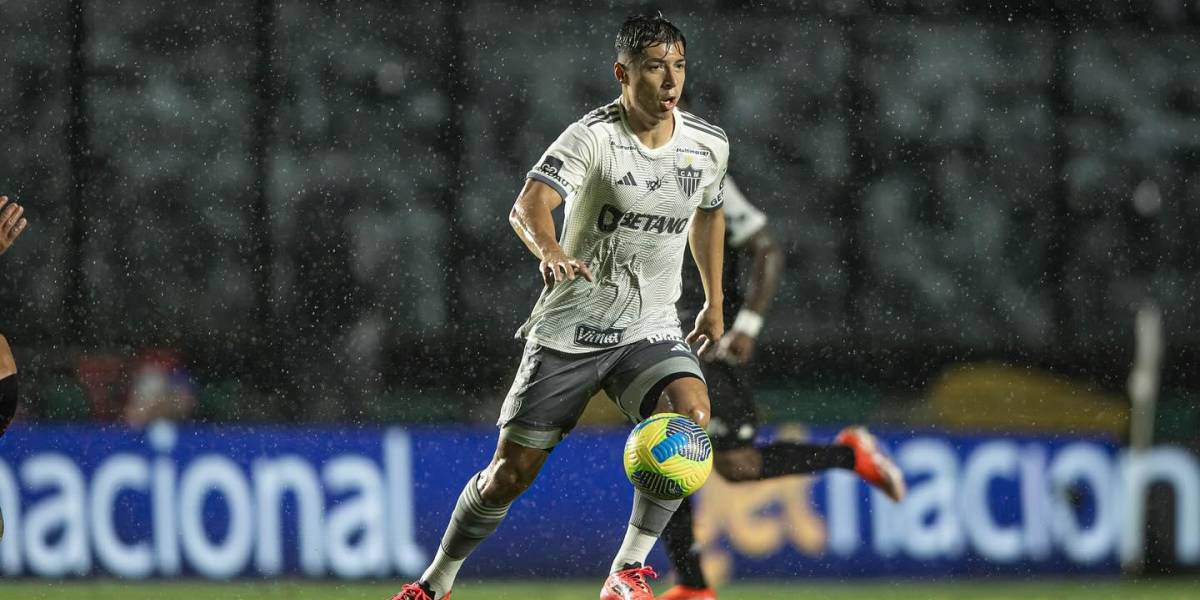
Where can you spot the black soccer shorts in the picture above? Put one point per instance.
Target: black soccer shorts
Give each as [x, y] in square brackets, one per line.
[735, 418]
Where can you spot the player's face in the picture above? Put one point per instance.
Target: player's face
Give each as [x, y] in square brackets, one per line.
[655, 80]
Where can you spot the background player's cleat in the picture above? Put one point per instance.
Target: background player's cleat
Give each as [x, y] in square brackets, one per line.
[871, 463]
[416, 591]
[683, 592]
[629, 584]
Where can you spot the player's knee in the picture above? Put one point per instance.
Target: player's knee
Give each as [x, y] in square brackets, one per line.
[699, 415]
[743, 464]
[687, 396]
[694, 407]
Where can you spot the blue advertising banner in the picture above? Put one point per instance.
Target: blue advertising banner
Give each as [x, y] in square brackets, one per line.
[222, 502]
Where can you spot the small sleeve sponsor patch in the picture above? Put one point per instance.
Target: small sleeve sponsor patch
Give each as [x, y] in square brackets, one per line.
[551, 166]
[567, 162]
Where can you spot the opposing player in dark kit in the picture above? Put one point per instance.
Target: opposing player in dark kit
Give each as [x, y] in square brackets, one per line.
[735, 420]
[641, 181]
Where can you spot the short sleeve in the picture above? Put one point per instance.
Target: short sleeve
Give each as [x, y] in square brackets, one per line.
[742, 219]
[714, 194]
[566, 163]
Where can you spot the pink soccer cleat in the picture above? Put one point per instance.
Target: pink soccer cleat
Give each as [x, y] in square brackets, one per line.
[871, 463]
[629, 584]
[416, 591]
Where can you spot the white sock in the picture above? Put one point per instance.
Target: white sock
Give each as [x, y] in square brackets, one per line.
[441, 573]
[634, 549]
[647, 521]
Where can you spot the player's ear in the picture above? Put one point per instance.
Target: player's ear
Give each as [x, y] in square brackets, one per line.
[619, 73]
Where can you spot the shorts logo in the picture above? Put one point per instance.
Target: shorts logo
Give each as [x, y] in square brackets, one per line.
[551, 166]
[590, 336]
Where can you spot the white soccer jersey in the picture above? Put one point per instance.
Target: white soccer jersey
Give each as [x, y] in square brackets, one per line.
[627, 213]
[742, 219]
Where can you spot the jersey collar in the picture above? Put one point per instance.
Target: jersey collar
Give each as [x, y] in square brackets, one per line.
[669, 146]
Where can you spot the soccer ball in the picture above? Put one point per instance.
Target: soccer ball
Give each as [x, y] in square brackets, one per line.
[668, 456]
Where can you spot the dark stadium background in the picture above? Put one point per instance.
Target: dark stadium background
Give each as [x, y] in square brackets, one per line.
[306, 202]
[309, 199]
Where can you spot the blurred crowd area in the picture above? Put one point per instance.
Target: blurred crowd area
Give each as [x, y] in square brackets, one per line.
[304, 204]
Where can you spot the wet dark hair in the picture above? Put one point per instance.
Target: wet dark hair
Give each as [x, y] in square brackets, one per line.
[639, 32]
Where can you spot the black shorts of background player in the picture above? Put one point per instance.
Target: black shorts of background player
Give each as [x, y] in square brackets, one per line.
[12, 223]
[734, 424]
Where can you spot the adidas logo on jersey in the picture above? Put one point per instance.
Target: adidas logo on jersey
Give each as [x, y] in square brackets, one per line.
[628, 180]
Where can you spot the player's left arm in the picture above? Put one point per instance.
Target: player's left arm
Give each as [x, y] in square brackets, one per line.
[766, 270]
[706, 238]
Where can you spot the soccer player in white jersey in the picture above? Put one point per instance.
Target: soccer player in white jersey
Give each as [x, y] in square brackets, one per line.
[734, 424]
[641, 182]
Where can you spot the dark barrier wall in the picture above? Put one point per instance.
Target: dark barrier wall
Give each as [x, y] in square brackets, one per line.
[351, 503]
[313, 195]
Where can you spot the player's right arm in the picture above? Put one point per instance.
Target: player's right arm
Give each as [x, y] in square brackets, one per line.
[11, 223]
[533, 220]
[559, 174]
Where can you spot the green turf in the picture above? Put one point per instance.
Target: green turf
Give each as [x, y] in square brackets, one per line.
[1082, 589]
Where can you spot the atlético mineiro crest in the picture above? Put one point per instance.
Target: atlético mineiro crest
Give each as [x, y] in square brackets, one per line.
[688, 179]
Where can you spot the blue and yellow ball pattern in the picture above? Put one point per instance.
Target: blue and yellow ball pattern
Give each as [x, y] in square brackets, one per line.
[668, 456]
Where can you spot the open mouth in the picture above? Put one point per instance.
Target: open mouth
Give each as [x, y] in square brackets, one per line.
[668, 103]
